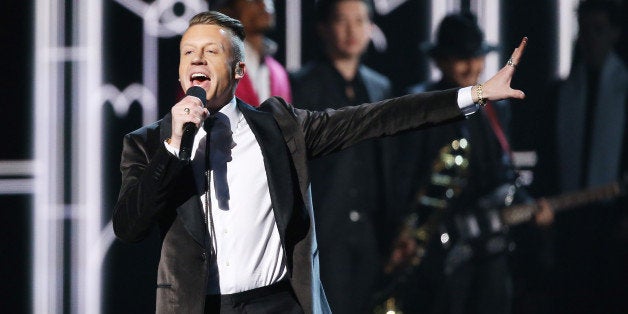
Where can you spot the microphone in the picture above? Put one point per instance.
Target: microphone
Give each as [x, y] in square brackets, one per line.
[189, 128]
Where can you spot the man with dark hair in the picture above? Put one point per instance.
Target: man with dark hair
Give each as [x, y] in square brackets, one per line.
[347, 187]
[236, 219]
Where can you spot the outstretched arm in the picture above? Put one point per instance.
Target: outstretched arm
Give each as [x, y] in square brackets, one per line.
[498, 86]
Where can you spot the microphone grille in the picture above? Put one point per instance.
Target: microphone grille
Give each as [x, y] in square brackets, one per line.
[197, 92]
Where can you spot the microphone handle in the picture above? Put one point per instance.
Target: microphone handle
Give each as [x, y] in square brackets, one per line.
[187, 140]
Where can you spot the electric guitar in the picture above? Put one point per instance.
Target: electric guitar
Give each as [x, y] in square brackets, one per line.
[496, 214]
[518, 214]
[474, 227]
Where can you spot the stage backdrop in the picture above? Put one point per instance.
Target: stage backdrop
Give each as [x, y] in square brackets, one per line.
[78, 75]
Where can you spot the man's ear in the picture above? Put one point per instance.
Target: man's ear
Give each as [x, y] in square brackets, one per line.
[240, 69]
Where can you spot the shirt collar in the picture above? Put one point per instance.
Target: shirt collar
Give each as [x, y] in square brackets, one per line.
[233, 113]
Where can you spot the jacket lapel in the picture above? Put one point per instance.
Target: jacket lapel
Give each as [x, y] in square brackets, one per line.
[276, 162]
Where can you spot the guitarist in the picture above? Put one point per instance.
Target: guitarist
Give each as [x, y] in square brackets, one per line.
[588, 149]
[465, 277]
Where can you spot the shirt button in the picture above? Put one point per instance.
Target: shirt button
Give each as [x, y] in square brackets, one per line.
[228, 263]
[204, 256]
[225, 231]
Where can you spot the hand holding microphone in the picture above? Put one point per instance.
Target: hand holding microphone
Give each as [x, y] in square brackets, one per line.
[187, 116]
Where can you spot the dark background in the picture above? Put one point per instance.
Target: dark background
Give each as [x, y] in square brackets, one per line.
[129, 270]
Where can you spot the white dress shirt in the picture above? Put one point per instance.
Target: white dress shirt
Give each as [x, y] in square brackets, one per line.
[242, 223]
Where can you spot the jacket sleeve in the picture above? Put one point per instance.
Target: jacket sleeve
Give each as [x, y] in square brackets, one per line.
[149, 179]
[332, 130]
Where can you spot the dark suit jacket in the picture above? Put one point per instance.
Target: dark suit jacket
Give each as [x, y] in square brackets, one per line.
[158, 188]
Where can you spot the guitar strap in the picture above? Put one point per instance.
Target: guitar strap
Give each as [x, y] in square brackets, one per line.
[496, 126]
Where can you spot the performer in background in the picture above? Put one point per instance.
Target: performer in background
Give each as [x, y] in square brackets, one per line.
[449, 178]
[347, 187]
[265, 76]
[236, 218]
[586, 146]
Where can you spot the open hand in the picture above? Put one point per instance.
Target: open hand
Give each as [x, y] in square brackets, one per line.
[498, 86]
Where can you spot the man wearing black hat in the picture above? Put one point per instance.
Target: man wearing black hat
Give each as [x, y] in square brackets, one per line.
[443, 177]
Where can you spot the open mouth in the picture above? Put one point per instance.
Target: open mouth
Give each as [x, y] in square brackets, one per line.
[198, 78]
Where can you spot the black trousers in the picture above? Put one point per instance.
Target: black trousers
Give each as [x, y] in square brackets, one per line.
[276, 298]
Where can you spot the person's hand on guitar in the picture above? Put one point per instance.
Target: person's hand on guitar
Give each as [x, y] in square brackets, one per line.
[404, 252]
[544, 216]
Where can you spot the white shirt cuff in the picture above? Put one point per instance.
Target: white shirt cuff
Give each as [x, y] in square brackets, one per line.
[465, 101]
[171, 149]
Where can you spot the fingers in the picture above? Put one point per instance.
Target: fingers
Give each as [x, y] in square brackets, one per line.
[518, 52]
[518, 94]
[498, 86]
[544, 216]
[190, 109]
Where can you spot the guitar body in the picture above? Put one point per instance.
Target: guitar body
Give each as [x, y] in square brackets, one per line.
[478, 233]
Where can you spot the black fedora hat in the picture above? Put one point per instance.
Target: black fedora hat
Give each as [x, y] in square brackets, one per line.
[459, 36]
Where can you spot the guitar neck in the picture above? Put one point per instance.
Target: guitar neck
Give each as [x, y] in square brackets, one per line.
[575, 199]
[519, 214]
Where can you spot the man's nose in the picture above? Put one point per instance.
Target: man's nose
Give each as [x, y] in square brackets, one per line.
[198, 59]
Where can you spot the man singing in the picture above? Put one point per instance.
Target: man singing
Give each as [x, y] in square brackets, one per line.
[236, 220]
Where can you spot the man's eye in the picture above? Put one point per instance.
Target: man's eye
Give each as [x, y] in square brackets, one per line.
[187, 52]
